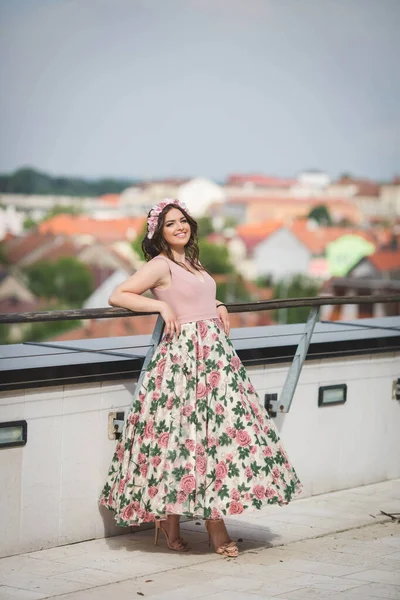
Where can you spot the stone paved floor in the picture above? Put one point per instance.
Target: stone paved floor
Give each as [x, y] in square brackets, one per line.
[330, 547]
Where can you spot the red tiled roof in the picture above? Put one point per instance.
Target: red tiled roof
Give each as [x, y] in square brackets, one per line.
[253, 233]
[125, 228]
[385, 260]
[317, 239]
[19, 247]
[110, 198]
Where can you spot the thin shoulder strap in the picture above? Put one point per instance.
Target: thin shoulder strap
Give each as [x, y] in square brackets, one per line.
[166, 260]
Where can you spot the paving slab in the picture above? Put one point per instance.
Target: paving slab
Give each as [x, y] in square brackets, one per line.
[331, 547]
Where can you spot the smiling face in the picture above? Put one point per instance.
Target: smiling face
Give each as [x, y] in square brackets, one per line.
[176, 229]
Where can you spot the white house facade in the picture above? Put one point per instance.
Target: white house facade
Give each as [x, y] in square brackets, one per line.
[281, 255]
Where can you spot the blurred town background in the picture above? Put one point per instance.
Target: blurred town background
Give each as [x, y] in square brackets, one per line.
[276, 121]
[67, 243]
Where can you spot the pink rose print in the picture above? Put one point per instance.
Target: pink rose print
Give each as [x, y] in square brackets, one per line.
[210, 441]
[128, 513]
[201, 391]
[229, 458]
[121, 486]
[259, 491]
[243, 438]
[276, 473]
[141, 513]
[214, 337]
[201, 465]
[219, 409]
[153, 490]
[206, 352]
[190, 444]
[231, 431]
[188, 466]
[159, 381]
[103, 501]
[247, 416]
[163, 440]
[148, 430]
[161, 366]
[155, 461]
[235, 494]
[181, 497]
[143, 470]
[241, 388]
[217, 485]
[201, 367]
[253, 450]
[235, 363]
[220, 364]
[215, 514]
[199, 351]
[156, 395]
[247, 496]
[251, 389]
[214, 379]
[267, 451]
[188, 483]
[120, 452]
[133, 419]
[170, 403]
[235, 508]
[266, 430]
[164, 350]
[269, 493]
[141, 458]
[260, 418]
[248, 472]
[221, 470]
[256, 428]
[287, 466]
[187, 410]
[203, 329]
[149, 518]
[200, 450]
[142, 396]
[176, 359]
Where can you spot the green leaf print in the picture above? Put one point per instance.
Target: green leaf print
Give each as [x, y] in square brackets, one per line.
[137, 405]
[255, 468]
[240, 411]
[155, 451]
[224, 439]
[219, 419]
[223, 492]
[151, 386]
[178, 473]
[279, 459]
[106, 490]
[207, 513]
[183, 451]
[243, 453]
[170, 385]
[161, 427]
[238, 424]
[272, 436]
[242, 487]
[256, 503]
[233, 470]
[234, 385]
[189, 345]
[219, 348]
[190, 384]
[172, 496]
[175, 368]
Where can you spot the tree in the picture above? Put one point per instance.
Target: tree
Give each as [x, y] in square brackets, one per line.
[205, 226]
[299, 286]
[62, 210]
[67, 279]
[137, 242]
[321, 215]
[215, 258]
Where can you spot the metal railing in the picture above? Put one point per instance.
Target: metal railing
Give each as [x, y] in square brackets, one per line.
[283, 404]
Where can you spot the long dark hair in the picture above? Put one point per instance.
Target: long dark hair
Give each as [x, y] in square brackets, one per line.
[157, 244]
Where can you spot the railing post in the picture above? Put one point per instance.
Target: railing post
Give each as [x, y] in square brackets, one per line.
[285, 400]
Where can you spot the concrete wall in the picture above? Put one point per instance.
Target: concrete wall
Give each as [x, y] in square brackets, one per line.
[50, 487]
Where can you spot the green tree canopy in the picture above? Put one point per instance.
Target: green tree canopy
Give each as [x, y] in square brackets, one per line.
[321, 214]
[298, 286]
[67, 279]
[215, 258]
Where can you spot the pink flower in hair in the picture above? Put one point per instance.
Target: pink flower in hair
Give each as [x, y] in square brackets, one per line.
[155, 212]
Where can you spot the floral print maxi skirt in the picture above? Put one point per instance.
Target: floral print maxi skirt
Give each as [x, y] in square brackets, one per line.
[196, 441]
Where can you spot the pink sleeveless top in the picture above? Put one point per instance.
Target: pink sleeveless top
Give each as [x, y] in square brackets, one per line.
[190, 298]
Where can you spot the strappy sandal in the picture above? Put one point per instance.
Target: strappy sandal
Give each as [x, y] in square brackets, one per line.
[179, 545]
[228, 549]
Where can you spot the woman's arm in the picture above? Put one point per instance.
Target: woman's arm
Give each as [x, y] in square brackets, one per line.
[129, 293]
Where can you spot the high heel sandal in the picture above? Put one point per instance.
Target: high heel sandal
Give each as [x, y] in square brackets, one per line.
[179, 545]
[228, 549]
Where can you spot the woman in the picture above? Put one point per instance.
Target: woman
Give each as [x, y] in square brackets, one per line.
[195, 442]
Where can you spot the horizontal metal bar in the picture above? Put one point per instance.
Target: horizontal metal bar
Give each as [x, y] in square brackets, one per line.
[76, 349]
[362, 325]
[238, 307]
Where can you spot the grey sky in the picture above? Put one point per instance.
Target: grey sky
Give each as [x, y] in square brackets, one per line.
[152, 88]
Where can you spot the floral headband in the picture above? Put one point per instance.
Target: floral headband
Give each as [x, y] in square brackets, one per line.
[155, 212]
